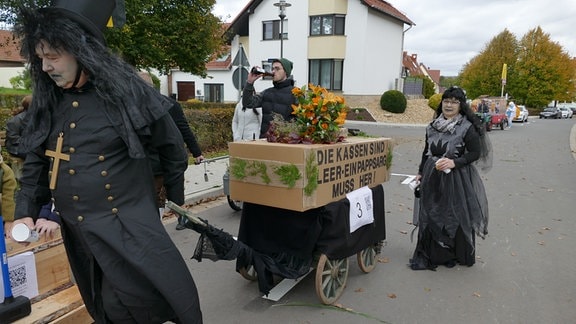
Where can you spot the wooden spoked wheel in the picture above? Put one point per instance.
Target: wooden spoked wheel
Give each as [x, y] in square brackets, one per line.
[367, 259]
[249, 273]
[331, 276]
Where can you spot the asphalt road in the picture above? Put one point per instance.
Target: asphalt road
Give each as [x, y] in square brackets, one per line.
[525, 270]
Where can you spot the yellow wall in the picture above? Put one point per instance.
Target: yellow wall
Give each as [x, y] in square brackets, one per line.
[321, 7]
[327, 47]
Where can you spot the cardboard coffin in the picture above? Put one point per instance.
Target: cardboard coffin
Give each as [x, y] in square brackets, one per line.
[305, 176]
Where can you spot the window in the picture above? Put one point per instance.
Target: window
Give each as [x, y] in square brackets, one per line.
[213, 92]
[326, 73]
[271, 30]
[327, 25]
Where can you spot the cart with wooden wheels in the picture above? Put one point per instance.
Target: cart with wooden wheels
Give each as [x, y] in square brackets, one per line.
[318, 239]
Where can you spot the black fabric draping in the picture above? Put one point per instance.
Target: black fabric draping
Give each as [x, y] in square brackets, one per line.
[285, 241]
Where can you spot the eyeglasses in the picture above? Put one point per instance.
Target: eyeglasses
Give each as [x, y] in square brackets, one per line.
[450, 102]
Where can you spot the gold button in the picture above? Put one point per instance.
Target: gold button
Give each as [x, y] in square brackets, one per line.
[75, 104]
[75, 198]
[110, 198]
[107, 186]
[72, 125]
[104, 173]
[72, 172]
[80, 218]
[72, 150]
[115, 210]
[101, 158]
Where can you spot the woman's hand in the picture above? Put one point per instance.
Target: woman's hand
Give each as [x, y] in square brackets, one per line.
[445, 164]
[8, 229]
[48, 227]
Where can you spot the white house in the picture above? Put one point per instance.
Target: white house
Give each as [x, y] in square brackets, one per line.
[352, 47]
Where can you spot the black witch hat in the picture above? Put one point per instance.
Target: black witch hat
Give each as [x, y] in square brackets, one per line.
[91, 15]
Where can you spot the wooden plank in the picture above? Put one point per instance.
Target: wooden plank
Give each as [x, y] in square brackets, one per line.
[53, 307]
[13, 247]
[52, 268]
[78, 316]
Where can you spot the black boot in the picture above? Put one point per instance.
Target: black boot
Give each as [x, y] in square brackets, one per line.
[181, 223]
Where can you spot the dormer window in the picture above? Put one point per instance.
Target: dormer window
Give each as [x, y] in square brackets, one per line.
[327, 25]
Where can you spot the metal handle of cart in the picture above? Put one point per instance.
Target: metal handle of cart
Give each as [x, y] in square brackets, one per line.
[234, 204]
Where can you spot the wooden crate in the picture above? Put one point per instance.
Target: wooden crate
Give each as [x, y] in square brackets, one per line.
[59, 301]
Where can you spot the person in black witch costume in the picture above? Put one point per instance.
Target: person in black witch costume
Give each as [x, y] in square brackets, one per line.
[97, 120]
[453, 205]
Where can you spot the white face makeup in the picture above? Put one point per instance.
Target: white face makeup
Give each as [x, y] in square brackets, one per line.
[450, 107]
[59, 65]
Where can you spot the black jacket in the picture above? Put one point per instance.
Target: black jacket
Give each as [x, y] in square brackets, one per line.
[277, 99]
[14, 128]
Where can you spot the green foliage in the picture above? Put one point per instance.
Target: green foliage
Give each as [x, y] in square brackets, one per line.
[539, 70]
[10, 98]
[544, 71]
[288, 174]
[160, 34]
[434, 101]
[393, 101]
[163, 34]
[311, 175]
[212, 127]
[22, 80]
[427, 86]
[482, 75]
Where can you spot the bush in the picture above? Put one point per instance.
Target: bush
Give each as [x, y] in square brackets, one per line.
[212, 127]
[393, 101]
[434, 101]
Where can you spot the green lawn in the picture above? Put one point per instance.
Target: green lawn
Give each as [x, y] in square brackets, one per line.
[13, 91]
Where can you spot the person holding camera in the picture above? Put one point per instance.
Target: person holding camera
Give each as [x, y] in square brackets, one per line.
[277, 99]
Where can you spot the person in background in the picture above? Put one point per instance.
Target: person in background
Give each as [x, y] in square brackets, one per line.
[175, 192]
[8, 185]
[483, 107]
[277, 99]
[14, 127]
[453, 205]
[246, 123]
[510, 113]
[90, 129]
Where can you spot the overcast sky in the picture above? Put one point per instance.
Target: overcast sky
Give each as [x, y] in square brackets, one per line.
[448, 33]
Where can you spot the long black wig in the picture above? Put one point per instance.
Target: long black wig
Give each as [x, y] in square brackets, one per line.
[127, 96]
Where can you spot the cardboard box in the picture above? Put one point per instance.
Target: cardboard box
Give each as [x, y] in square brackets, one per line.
[305, 176]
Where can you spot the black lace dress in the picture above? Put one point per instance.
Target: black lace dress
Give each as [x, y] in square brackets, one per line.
[453, 206]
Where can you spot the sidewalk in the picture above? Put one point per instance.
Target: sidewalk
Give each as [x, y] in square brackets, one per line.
[204, 180]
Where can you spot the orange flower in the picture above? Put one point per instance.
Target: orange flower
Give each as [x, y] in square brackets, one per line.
[319, 113]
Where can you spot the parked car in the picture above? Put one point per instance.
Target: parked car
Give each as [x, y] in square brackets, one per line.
[566, 112]
[551, 112]
[522, 116]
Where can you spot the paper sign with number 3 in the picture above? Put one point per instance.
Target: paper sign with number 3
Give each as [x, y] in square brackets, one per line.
[361, 208]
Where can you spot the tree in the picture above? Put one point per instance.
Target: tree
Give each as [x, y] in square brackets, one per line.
[160, 34]
[544, 71]
[539, 70]
[482, 74]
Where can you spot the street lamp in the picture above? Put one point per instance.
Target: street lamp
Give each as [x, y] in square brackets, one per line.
[282, 5]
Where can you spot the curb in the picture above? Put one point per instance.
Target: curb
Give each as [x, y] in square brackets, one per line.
[573, 141]
[196, 198]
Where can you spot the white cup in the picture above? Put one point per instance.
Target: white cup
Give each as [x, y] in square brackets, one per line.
[21, 233]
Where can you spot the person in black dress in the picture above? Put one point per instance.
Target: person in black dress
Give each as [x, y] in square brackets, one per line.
[453, 206]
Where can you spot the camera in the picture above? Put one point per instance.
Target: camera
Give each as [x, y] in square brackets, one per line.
[259, 70]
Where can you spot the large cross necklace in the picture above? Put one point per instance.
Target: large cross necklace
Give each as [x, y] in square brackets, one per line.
[57, 155]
